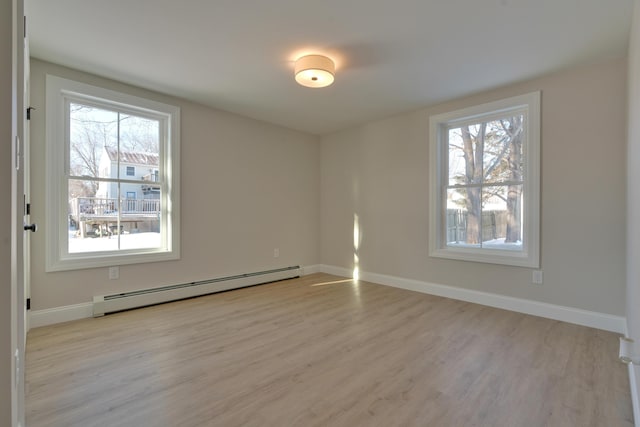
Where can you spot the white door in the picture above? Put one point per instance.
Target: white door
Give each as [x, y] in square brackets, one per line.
[26, 175]
[19, 233]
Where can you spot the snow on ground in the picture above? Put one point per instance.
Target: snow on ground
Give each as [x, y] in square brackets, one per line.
[110, 243]
[497, 244]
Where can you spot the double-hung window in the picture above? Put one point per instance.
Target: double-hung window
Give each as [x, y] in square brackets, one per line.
[485, 175]
[112, 177]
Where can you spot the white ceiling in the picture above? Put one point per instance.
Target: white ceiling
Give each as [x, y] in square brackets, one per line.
[391, 56]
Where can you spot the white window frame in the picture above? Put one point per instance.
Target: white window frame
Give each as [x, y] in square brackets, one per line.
[529, 105]
[59, 92]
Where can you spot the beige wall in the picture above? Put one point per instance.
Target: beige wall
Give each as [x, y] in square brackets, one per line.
[247, 187]
[633, 190]
[379, 171]
[5, 212]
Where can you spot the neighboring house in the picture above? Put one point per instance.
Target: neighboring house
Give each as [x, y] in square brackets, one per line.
[136, 208]
[133, 166]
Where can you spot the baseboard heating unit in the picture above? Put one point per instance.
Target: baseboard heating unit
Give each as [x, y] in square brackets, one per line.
[104, 304]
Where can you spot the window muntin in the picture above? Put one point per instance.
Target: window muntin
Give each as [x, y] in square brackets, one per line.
[101, 213]
[485, 183]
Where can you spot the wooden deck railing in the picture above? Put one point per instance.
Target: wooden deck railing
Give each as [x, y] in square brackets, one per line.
[86, 208]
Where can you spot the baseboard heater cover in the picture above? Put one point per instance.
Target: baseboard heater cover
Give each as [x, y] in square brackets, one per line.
[104, 304]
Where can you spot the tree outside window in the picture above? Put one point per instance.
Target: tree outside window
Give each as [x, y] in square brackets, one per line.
[485, 182]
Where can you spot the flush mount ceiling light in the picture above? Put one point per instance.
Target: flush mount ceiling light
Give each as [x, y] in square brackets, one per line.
[314, 71]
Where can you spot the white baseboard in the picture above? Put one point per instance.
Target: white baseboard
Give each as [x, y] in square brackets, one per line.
[634, 394]
[337, 271]
[54, 315]
[305, 270]
[633, 384]
[85, 310]
[577, 316]
[557, 312]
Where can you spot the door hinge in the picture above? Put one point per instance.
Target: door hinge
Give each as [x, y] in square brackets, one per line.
[28, 303]
[24, 26]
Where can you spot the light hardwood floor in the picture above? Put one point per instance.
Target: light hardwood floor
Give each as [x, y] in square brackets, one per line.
[324, 351]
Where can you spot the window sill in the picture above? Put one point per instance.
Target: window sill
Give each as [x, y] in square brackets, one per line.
[83, 261]
[488, 256]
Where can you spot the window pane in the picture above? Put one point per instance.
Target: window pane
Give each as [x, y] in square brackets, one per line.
[90, 130]
[91, 218]
[463, 145]
[502, 217]
[139, 148]
[463, 217]
[102, 222]
[490, 218]
[141, 222]
[502, 156]
[486, 152]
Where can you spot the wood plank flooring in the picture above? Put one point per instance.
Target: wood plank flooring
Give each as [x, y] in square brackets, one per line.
[324, 351]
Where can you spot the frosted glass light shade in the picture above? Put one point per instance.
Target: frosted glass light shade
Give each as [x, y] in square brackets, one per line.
[315, 71]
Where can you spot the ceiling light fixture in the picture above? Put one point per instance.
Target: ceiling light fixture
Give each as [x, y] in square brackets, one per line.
[315, 71]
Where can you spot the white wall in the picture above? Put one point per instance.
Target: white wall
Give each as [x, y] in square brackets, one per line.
[633, 191]
[379, 171]
[6, 296]
[247, 187]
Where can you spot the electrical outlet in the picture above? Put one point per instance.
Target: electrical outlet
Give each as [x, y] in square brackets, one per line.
[537, 277]
[114, 273]
[276, 252]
